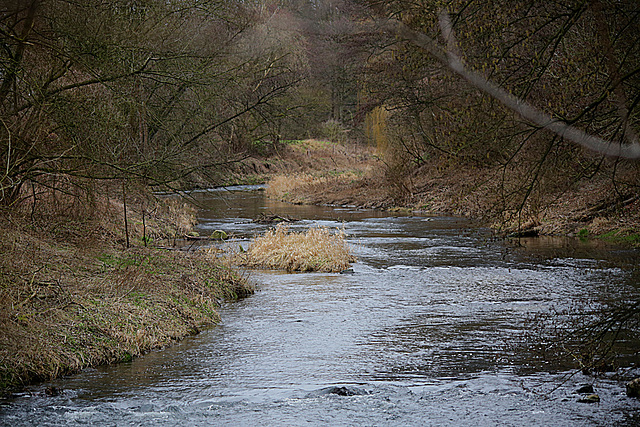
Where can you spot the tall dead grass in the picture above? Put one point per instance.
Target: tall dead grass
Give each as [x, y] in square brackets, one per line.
[70, 297]
[281, 186]
[295, 188]
[317, 249]
[88, 214]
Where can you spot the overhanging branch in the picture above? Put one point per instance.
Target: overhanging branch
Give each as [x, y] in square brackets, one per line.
[453, 61]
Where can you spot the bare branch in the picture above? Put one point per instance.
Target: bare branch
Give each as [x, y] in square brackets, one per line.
[12, 72]
[454, 62]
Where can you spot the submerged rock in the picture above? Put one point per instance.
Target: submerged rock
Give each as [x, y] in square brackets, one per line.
[273, 219]
[587, 388]
[344, 391]
[52, 391]
[592, 398]
[339, 391]
[633, 388]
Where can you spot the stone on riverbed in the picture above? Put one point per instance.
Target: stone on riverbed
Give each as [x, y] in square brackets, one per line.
[274, 219]
[587, 388]
[338, 391]
[592, 398]
[633, 388]
[219, 235]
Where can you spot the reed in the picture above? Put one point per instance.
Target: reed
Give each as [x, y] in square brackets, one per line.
[317, 249]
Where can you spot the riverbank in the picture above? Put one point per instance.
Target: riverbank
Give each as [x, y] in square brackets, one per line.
[73, 296]
[597, 207]
[434, 302]
[321, 158]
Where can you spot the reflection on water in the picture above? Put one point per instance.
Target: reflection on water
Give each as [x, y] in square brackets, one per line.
[430, 329]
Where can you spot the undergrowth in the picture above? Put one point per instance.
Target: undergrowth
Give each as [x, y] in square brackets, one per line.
[71, 297]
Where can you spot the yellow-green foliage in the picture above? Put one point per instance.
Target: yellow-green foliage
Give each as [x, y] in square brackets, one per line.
[376, 129]
[317, 249]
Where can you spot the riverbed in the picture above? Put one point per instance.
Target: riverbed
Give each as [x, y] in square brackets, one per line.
[438, 323]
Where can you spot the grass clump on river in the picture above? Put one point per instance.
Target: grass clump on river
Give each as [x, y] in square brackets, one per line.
[316, 249]
[72, 297]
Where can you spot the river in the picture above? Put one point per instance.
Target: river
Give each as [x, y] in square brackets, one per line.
[438, 323]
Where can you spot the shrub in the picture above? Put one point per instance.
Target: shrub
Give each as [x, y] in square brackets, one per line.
[334, 131]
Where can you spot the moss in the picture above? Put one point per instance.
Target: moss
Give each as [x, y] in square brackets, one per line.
[583, 235]
[7, 378]
[219, 235]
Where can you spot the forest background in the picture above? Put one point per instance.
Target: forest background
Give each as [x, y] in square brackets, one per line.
[171, 95]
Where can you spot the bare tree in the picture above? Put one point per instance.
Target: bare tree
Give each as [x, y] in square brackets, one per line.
[136, 90]
[449, 56]
[565, 67]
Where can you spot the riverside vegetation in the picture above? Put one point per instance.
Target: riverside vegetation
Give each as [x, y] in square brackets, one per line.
[71, 295]
[316, 249]
[592, 208]
[180, 95]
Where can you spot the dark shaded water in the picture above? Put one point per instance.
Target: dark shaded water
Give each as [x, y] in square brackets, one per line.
[430, 329]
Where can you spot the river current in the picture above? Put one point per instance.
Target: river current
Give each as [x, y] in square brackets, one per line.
[438, 323]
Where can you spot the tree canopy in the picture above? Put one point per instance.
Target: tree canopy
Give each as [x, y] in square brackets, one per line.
[161, 90]
[150, 90]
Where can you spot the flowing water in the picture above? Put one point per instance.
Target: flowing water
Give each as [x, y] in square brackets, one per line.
[434, 325]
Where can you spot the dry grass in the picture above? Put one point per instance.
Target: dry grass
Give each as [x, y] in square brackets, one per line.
[70, 297]
[589, 204]
[298, 188]
[299, 158]
[85, 215]
[317, 249]
[280, 186]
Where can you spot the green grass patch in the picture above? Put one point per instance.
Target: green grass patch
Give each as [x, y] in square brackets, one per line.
[583, 234]
[621, 236]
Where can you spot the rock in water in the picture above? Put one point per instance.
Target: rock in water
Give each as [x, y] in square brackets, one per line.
[587, 388]
[52, 391]
[339, 391]
[592, 398]
[633, 388]
[219, 235]
[343, 391]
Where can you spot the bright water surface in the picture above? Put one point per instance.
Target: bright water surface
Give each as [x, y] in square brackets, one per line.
[428, 330]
